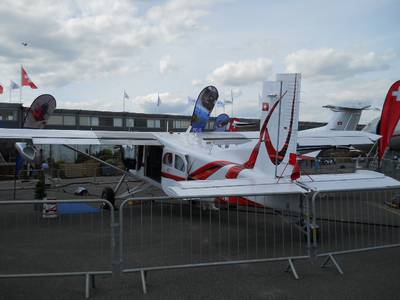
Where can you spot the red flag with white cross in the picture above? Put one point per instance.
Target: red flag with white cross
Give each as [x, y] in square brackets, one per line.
[389, 118]
[25, 80]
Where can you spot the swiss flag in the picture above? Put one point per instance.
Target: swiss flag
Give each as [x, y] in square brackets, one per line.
[265, 106]
[1, 89]
[389, 118]
[25, 80]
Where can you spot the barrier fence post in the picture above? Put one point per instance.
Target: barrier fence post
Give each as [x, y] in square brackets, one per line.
[115, 253]
[314, 224]
[308, 224]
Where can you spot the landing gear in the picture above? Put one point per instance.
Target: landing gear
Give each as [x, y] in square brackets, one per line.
[109, 195]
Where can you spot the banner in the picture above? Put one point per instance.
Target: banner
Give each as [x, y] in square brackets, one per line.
[204, 105]
[40, 111]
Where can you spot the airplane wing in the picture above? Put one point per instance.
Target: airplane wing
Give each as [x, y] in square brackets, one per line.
[80, 137]
[306, 138]
[334, 138]
[238, 187]
[360, 180]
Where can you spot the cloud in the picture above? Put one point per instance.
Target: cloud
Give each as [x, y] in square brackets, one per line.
[328, 63]
[167, 64]
[171, 103]
[197, 82]
[242, 72]
[71, 41]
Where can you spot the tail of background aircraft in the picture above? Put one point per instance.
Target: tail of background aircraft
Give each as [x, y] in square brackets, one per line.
[345, 117]
[275, 152]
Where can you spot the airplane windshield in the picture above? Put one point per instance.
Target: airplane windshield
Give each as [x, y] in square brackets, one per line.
[179, 163]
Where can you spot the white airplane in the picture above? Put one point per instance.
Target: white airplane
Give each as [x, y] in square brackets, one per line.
[261, 171]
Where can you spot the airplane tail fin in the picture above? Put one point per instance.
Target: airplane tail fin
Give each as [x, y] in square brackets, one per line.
[345, 117]
[389, 118]
[279, 120]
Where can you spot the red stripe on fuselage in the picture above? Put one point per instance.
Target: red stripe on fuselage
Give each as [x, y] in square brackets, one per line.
[172, 176]
[208, 169]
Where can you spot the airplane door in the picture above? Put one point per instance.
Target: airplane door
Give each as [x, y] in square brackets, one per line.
[174, 166]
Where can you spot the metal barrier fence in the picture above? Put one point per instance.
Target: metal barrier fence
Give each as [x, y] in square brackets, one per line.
[348, 222]
[164, 233]
[79, 242]
[160, 233]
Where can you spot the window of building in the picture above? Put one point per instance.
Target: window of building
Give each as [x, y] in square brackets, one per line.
[9, 115]
[69, 120]
[179, 163]
[106, 122]
[117, 122]
[167, 160]
[55, 120]
[84, 121]
[181, 124]
[130, 122]
[153, 124]
[140, 123]
[94, 121]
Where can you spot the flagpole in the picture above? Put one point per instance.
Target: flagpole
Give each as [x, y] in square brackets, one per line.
[232, 102]
[9, 93]
[123, 102]
[20, 88]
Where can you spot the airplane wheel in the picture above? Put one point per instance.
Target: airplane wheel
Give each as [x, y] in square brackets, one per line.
[109, 195]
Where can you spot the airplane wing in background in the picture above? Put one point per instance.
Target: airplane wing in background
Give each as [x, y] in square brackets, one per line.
[80, 137]
[306, 140]
[334, 138]
[311, 140]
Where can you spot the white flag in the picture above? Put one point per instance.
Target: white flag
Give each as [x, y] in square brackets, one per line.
[158, 100]
[191, 100]
[126, 96]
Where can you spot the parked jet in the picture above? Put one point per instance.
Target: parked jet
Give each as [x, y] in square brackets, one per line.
[260, 171]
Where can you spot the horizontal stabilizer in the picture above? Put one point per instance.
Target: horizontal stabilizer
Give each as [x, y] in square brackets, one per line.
[238, 187]
[360, 180]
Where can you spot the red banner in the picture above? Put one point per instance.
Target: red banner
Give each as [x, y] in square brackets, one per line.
[389, 118]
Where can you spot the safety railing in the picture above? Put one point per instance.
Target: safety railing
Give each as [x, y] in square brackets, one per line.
[161, 233]
[164, 233]
[53, 238]
[354, 221]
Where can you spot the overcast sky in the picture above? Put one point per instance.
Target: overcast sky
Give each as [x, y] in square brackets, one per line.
[86, 53]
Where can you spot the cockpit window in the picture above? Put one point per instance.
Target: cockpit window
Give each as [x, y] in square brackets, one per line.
[167, 160]
[179, 163]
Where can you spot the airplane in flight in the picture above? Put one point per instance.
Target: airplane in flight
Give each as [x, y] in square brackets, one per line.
[257, 170]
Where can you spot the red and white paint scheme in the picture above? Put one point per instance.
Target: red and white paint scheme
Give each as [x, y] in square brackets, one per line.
[258, 168]
[387, 125]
